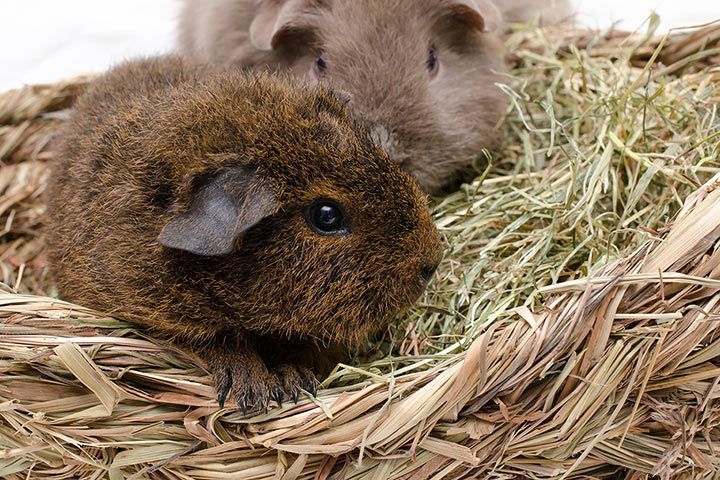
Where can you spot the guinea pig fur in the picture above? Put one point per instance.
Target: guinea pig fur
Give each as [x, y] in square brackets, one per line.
[245, 217]
[420, 73]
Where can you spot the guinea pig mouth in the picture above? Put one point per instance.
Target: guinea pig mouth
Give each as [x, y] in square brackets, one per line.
[424, 276]
[413, 293]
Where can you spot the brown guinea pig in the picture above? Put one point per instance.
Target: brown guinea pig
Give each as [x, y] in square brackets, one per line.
[245, 217]
[420, 73]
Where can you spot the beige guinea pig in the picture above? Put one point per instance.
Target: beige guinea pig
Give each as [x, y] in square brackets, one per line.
[420, 73]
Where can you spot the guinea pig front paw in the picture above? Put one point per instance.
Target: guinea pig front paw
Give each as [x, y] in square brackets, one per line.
[240, 375]
[251, 390]
[254, 395]
[290, 380]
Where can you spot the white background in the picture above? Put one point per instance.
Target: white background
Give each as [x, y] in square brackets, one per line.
[46, 40]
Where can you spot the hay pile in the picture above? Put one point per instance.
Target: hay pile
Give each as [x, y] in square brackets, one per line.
[573, 330]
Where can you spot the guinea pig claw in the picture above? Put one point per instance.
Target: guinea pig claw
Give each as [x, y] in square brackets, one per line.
[242, 403]
[310, 386]
[277, 395]
[308, 382]
[223, 387]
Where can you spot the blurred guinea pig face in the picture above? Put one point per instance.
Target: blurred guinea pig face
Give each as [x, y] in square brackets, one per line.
[419, 73]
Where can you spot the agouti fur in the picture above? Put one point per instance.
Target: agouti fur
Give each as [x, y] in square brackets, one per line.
[180, 199]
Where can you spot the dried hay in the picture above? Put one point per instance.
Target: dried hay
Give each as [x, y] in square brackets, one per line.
[572, 332]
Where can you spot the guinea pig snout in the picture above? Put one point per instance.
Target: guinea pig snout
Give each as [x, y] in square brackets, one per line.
[427, 262]
[421, 273]
[428, 269]
[431, 255]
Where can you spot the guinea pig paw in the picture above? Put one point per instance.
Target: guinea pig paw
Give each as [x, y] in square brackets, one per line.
[249, 387]
[276, 391]
[253, 395]
[295, 378]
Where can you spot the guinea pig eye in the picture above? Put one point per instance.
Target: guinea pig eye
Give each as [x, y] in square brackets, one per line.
[432, 62]
[320, 64]
[326, 217]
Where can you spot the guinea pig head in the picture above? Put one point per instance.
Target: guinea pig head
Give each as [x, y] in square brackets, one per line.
[311, 233]
[421, 74]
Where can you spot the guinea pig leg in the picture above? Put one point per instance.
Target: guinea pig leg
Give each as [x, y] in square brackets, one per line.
[291, 379]
[297, 366]
[239, 371]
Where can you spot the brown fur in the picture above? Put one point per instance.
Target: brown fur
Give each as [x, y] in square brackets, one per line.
[150, 139]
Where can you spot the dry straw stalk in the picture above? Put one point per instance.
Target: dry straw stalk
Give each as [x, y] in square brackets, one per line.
[572, 332]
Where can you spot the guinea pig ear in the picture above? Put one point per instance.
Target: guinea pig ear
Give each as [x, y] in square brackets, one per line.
[277, 19]
[222, 206]
[482, 15]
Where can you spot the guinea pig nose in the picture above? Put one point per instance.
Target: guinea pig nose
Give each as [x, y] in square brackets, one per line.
[428, 270]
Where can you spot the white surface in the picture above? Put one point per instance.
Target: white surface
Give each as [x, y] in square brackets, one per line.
[47, 40]
[630, 14]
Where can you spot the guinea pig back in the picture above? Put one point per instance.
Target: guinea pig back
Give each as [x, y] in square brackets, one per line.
[245, 217]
